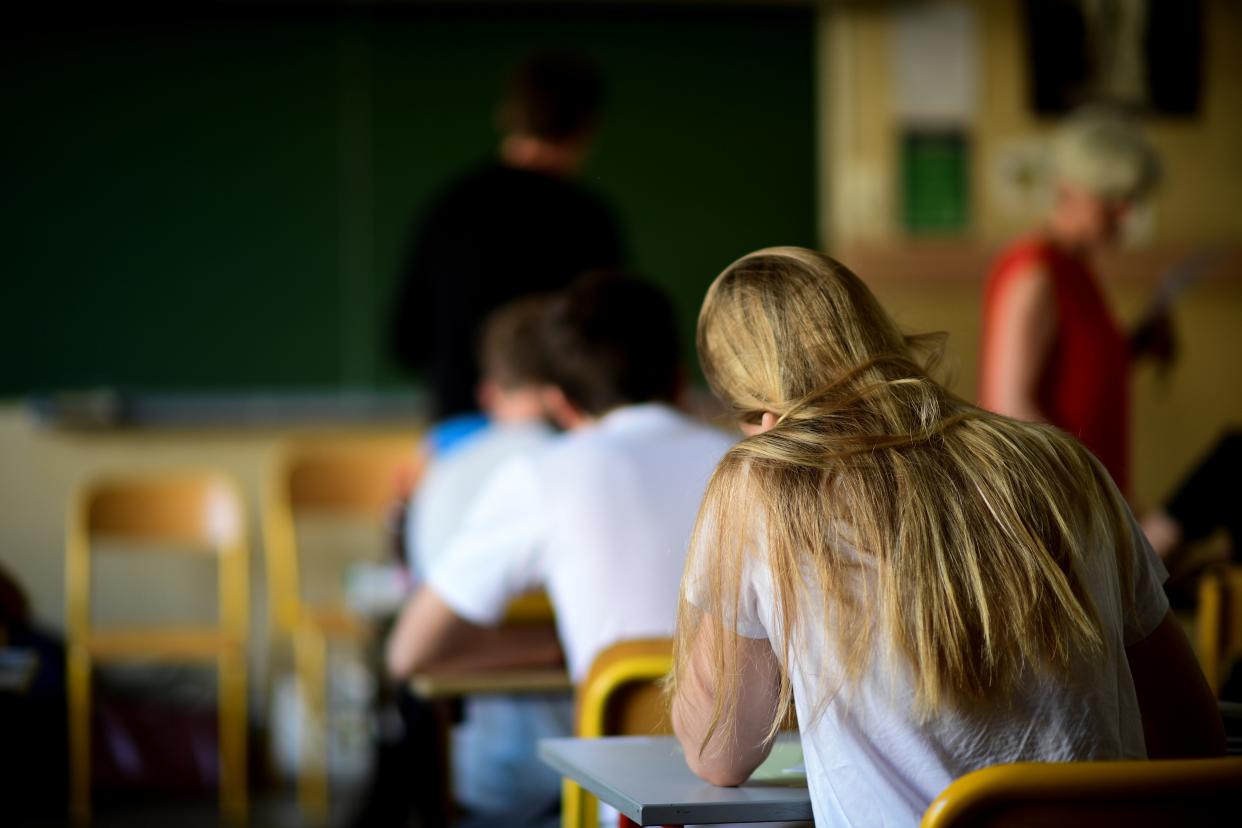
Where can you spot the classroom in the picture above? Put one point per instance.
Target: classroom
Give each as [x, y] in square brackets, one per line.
[642, 411]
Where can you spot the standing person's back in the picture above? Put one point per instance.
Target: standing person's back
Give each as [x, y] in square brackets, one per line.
[517, 226]
[1051, 350]
[1084, 384]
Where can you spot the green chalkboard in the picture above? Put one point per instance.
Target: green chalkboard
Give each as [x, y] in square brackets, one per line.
[216, 197]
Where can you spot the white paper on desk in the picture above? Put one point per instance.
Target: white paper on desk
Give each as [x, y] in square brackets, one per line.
[784, 765]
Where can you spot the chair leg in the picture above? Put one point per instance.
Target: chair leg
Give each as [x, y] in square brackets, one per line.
[579, 809]
[1210, 621]
[232, 730]
[310, 656]
[79, 703]
[590, 810]
[571, 805]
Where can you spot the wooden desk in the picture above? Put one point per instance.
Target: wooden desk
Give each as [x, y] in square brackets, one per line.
[646, 778]
[518, 658]
[521, 658]
[448, 685]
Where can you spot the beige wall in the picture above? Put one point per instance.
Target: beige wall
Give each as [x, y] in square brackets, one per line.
[1174, 417]
[1201, 200]
[936, 285]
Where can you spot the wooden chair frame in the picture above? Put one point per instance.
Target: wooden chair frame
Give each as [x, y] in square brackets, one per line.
[621, 666]
[1219, 623]
[201, 509]
[349, 477]
[1082, 794]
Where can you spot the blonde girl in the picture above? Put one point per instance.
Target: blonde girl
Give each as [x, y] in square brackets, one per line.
[932, 587]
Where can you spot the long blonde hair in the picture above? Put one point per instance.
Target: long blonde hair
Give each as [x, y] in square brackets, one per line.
[973, 528]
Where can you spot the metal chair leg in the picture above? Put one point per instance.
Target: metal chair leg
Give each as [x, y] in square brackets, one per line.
[310, 656]
[79, 699]
[232, 735]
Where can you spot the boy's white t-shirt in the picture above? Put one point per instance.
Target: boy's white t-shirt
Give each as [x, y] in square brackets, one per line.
[494, 767]
[869, 762]
[601, 519]
[439, 504]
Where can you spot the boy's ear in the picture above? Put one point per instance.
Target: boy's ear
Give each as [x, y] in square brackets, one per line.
[681, 387]
[563, 412]
[485, 394]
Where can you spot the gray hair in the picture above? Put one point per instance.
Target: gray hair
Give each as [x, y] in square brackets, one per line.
[1107, 153]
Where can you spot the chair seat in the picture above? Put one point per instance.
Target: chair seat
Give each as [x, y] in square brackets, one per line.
[165, 643]
[531, 608]
[347, 478]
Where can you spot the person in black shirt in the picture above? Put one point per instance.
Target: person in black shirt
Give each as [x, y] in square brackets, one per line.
[1206, 500]
[510, 228]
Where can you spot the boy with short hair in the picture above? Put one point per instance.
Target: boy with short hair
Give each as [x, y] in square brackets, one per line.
[510, 393]
[494, 770]
[493, 766]
[601, 517]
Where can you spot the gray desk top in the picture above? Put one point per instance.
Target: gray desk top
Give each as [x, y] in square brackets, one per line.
[646, 778]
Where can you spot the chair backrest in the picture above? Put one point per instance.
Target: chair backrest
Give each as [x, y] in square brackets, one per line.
[191, 511]
[620, 696]
[530, 608]
[1080, 794]
[356, 477]
[170, 511]
[1220, 623]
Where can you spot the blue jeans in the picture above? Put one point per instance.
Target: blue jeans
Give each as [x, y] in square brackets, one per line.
[496, 770]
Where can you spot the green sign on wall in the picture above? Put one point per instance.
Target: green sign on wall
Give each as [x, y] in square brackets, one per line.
[935, 181]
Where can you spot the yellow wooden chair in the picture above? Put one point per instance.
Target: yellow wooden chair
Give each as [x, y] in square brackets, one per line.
[531, 608]
[351, 478]
[1089, 794]
[200, 510]
[620, 696]
[1220, 623]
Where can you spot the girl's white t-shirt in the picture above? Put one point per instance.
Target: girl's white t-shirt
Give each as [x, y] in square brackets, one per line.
[870, 762]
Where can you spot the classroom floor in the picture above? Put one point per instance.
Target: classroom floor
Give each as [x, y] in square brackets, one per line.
[270, 810]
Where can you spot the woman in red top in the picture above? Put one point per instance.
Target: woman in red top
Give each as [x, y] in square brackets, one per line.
[1051, 349]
